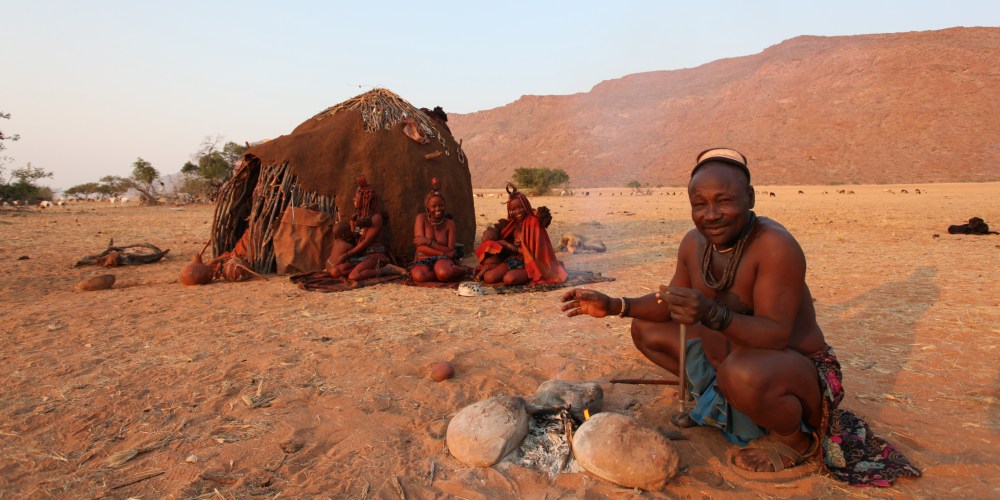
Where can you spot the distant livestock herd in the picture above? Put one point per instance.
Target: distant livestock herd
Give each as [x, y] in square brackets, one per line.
[62, 202]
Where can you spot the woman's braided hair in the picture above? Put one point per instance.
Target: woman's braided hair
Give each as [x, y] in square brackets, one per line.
[368, 202]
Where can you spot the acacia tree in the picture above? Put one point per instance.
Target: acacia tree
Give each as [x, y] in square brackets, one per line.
[113, 186]
[640, 188]
[83, 190]
[211, 167]
[145, 179]
[539, 181]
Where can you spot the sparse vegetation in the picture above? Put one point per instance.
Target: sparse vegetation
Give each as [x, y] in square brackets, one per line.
[640, 188]
[539, 181]
[210, 168]
[145, 180]
[22, 184]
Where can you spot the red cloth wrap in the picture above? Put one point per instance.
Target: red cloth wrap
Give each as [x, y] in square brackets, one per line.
[536, 250]
[488, 247]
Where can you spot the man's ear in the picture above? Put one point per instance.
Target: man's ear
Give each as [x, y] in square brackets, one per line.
[753, 196]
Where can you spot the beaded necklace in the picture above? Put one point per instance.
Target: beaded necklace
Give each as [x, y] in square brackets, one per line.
[729, 274]
[433, 222]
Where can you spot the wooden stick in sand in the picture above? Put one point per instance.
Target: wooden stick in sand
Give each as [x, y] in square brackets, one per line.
[682, 356]
[682, 368]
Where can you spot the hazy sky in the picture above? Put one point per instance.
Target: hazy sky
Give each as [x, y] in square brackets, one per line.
[92, 85]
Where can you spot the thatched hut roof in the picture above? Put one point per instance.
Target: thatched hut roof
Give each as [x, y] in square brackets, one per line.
[323, 156]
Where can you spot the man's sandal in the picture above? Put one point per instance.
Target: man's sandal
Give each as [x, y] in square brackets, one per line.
[776, 451]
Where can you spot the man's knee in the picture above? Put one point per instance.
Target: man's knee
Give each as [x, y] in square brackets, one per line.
[639, 331]
[742, 378]
[649, 335]
[751, 378]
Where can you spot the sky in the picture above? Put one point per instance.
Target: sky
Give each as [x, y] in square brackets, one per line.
[93, 86]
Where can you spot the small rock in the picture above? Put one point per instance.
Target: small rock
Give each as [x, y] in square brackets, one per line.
[191, 459]
[291, 446]
[441, 371]
[587, 396]
[484, 432]
[617, 448]
[437, 429]
[23, 257]
[101, 282]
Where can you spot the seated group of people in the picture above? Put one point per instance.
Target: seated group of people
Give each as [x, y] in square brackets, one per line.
[516, 251]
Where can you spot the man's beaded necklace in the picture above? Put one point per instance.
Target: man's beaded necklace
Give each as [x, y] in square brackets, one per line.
[729, 273]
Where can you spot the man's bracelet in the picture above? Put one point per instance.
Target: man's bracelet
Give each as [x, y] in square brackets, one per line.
[719, 317]
[624, 312]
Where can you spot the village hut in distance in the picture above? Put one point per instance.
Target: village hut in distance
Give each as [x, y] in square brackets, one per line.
[397, 147]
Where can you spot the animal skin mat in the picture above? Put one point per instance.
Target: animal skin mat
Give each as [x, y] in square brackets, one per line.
[320, 281]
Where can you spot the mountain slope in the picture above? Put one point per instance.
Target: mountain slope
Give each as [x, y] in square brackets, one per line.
[887, 108]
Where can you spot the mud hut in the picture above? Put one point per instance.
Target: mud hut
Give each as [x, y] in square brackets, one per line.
[396, 146]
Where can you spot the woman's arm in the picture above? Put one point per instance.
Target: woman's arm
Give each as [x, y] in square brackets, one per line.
[373, 234]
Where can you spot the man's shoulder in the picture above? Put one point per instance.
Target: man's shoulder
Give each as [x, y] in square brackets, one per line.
[690, 241]
[771, 228]
[771, 234]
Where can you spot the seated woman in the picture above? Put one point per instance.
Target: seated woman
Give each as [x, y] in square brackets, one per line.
[434, 236]
[523, 245]
[368, 257]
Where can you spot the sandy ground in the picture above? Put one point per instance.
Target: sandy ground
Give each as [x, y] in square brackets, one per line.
[153, 389]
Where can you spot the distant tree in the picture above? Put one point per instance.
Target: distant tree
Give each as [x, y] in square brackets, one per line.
[638, 187]
[145, 180]
[5, 189]
[194, 188]
[210, 167]
[6, 137]
[113, 186]
[83, 190]
[23, 184]
[233, 153]
[539, 181]
[44, 193]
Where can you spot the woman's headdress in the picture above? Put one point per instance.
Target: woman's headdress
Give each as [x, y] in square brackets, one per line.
[435, 191]
[514, 194]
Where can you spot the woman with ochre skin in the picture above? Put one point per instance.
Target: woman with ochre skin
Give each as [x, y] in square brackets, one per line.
[434, 237]
[369, 252]
[533, 259]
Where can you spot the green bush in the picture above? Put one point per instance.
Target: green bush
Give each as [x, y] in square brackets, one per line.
[539, 181]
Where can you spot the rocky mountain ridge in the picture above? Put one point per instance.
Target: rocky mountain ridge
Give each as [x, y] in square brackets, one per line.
[912, 107]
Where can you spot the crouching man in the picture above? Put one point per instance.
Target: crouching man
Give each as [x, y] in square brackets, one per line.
[756, 360]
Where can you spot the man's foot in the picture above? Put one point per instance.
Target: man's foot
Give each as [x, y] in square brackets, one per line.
[773, 454]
